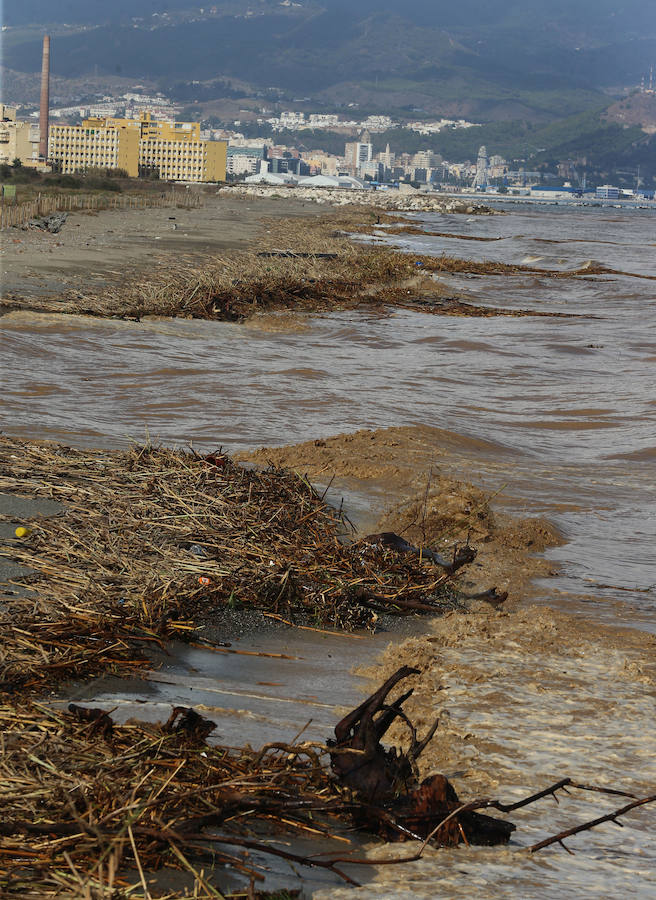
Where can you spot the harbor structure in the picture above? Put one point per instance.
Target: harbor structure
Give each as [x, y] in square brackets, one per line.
[174, 150]
[607, 192]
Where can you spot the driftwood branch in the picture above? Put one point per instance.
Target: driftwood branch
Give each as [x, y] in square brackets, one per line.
[192, 840]
[482, 804]
[462, 556]
[551, 792]
[586, 826]
[384, 782]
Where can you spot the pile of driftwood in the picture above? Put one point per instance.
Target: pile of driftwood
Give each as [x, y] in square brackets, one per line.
[150, 544]
[153, 543]
[97, 808]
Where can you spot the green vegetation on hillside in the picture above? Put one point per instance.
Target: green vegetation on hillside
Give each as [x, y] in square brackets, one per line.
[532, 71]
[499, 61]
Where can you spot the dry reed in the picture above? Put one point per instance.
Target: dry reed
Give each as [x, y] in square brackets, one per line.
[153, 543]
[150, 544]
[92, 814]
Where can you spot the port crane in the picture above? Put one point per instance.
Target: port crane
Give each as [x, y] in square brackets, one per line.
[634, 172]
[581, 181]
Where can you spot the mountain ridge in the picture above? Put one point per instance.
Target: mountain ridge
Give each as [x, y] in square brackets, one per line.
[518, 64]
[536, 45]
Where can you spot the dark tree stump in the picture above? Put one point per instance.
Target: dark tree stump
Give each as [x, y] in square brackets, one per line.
[384, 784]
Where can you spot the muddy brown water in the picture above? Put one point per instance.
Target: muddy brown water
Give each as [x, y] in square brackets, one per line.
[569, 405]
[558, 414]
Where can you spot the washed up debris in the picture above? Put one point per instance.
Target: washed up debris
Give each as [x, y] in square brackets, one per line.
[100, 722]
[291, 254]
[160, 797]
[384, 781]
[184, 720]
[492, 596]
[52, 223]
[155, 543]
[461, 555]
[319, 267]
[115, 575]
[426, 232]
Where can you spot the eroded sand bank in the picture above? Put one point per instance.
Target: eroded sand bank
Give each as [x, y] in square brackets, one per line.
[526, 695]
[523, 701]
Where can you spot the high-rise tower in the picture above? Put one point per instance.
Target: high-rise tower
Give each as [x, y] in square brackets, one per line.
[482, 164]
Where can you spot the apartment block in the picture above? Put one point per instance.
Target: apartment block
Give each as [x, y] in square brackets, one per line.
[18, 140]
[75, 148]
[174, 149]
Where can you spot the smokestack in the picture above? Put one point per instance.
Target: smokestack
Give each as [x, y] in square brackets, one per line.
[45, 98]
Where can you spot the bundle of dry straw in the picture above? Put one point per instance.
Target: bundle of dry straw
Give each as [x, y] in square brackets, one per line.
[150, 544]
[153, 543]
[96, 813]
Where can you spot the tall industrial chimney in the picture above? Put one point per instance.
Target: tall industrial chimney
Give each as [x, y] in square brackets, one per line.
[45, 99]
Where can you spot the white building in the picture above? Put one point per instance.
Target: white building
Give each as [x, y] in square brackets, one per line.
[281, 178]
[339, 181]
[322, 120]
[377, 123]
[292, 120]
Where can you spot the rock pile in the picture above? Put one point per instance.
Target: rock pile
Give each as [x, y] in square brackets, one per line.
[392, 200]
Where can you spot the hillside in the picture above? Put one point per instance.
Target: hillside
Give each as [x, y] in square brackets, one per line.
[637, 109]
[490, 61]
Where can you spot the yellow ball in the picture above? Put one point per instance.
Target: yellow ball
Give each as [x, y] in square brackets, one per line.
[22, 532]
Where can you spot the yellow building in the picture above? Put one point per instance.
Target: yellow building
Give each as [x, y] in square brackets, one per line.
[152, 128]
[175, 149]
[18, 140]
[75, 148]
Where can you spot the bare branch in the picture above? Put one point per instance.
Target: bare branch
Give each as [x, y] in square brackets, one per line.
[586, 826]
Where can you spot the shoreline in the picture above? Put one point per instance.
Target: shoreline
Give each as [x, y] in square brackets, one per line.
[489, 672]
[274, 256]
[80, 635]
[475, 650]
[473, 672]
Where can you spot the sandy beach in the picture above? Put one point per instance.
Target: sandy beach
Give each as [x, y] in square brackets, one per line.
[94, 248]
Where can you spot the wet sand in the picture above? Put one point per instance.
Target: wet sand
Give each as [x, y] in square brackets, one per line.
[94, 247]
[402, 480]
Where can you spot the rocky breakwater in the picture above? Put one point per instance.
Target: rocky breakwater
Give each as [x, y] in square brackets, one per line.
[414, 201]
